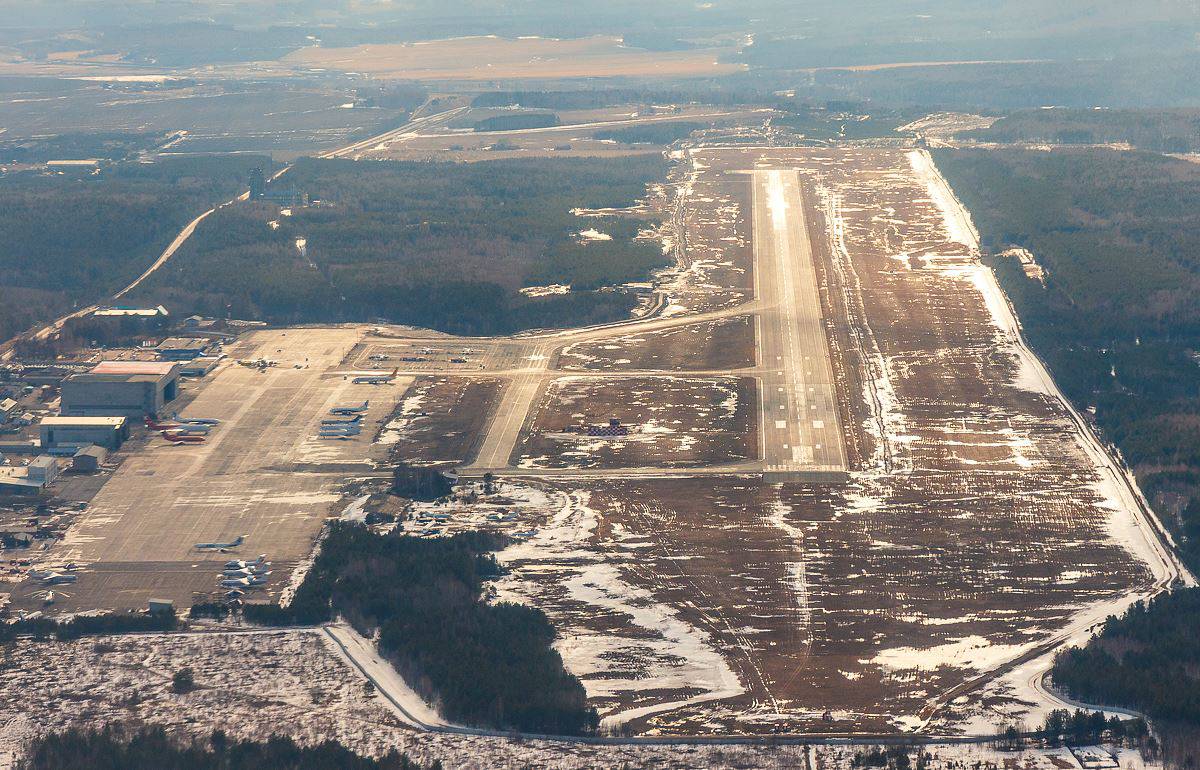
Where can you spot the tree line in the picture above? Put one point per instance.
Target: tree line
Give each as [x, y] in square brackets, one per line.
[483, 664]
[134, 747]
[441, 245]
[1118, 320]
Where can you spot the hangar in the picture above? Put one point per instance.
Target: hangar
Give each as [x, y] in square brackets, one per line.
[108, 432]
[121, 388]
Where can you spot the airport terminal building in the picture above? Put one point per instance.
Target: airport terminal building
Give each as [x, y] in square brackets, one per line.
[121, 388]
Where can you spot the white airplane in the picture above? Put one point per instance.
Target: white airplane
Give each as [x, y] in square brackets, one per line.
[254, 581]
[349, 430]
[333, 421]
[246, 572]
[220, 546]
[195, 420]
[350, 410]
[58, 578]
[376, 379]
[239, 563]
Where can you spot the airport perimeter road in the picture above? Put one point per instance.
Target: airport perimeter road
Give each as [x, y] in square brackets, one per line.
[799, 425]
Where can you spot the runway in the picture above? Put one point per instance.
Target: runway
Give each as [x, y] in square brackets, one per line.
[800, 431]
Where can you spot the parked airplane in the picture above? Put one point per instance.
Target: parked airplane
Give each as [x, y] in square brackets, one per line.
[333, 421]
[376, 379]
[349, 410]
[246, 572]
[202, 430]
[180, 437]
[239, 563]
[198, 420]
[57, 578]
[153, 424]
[244, 582]
[349, 430]
[219, 546]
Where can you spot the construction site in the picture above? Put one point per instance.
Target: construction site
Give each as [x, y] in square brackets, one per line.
[820, 486]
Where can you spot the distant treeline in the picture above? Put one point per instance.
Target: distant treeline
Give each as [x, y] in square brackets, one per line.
[612, 97]
[107, 145]
[1118, 321]
[441, 245]
[1159, 130]
[651, 133]
[518, 121]
[151, 748]
[483, 664]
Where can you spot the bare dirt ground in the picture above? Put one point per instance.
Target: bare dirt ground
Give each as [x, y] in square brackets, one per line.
[493, 58]
[721, 345]
[440, 420]
[672, 422]
[979, 524]
[713, 226]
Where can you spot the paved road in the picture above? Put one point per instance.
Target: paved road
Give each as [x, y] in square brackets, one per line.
[799, 426]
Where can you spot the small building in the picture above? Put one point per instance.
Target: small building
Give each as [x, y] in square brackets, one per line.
[88, 459]
[8, 407]
[43, 469]
[30, 479]
[181, 348]
[614, 428]
[199, 323]
[125, 388]
[160, 607]
[108, 432]
[198, 367]
[120, 311]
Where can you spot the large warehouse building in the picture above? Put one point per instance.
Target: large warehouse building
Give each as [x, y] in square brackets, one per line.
[108, 432]
[121, 388]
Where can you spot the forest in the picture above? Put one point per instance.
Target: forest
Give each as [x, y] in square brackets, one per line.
[440, 245]
[73, 236]
[118, 747]
[484, 664]
[521, 120]
[1118, 321]
[651, 133]
[1176, 131]
[705, 93]
[1147, 660]
[105, 145]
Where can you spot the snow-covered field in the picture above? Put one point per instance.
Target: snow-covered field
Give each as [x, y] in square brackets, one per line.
[296, 683]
